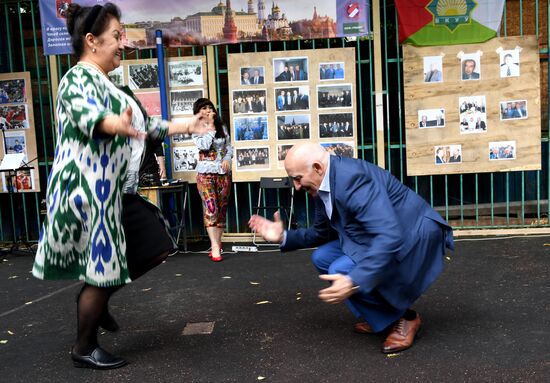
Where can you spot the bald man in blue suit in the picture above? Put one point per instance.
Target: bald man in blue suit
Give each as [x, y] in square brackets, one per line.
[378, 242]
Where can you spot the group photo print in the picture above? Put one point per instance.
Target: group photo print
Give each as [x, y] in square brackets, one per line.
[334, 96]
[335, 125]
[292, 98]
[290, 69]
[14, 117]
[143, 76]
[252, 159]
[473, 115]
[293, 126]
[181, 101]
[332, 71]
[252, 75]
[12, 91]
[185, 158]
[249, 101]
[250, 128]
[185, 73]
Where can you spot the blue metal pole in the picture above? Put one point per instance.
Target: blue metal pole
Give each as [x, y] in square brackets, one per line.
[163, 99]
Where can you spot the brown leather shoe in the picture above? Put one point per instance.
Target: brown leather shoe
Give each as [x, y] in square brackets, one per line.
[363, 328]
[402, 335]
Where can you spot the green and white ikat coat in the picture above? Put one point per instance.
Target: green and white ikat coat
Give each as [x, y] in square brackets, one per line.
[82, 236]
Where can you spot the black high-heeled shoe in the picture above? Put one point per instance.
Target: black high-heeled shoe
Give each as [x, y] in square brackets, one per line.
[98, 359]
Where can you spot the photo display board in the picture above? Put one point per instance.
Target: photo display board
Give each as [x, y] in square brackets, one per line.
[473, 108]
[278, 99]
[18, 131]
[187, 81]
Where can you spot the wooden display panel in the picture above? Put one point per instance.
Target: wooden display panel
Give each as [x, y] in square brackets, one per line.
[19, 134]
[493, 121]
[262, 132]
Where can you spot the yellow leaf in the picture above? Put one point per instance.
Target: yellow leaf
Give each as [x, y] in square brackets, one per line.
[226, 277]
[298, 298]
[147, 289]
[11, 333]
[254, 283]
[28, 303]
[392, 355]
[13, 277]
[262, 302]
[3, 341]
[178, 275]
[261, 377]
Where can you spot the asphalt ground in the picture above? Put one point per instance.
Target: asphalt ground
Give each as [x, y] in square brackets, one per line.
[259, 319]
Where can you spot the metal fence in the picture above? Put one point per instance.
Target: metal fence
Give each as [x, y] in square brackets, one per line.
[506, 200]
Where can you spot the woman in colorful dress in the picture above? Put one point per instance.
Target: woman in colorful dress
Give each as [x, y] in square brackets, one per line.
[213, 174]
[97, 228]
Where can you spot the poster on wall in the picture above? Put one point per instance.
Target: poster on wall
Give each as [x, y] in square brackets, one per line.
[473, 108]
[18, 131]
[280, 100]
[182, 21]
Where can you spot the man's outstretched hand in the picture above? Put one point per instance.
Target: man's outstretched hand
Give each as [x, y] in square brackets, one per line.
[341, 288]
[271, 231]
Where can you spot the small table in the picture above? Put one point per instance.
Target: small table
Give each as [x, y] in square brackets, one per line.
[156, 194]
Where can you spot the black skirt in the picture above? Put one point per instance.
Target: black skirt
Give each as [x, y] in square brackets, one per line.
[146, 237]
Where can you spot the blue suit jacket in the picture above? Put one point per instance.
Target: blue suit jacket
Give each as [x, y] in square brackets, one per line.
[378, 222]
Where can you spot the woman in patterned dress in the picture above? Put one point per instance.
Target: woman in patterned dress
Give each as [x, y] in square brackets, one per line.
[213, 174]
[97, 229]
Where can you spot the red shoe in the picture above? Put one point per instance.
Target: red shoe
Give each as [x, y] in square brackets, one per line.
[217, 259]
[210, 254]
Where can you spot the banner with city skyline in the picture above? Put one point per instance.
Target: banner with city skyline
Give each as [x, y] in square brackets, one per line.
[190, 22]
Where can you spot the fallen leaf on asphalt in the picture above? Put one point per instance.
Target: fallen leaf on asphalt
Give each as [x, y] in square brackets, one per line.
[13, 277]
[298, 293]
[226, 277]
[448, 258]
[3, 341]
[254, 283]
[392, 355]
[546, 244]
[261, 377]
[262, 302]
[147, 289]
[28, 303]
[298, 298]
[11, 333]
[178, 275]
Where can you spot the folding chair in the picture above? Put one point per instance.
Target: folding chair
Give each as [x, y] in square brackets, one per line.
[267, 183]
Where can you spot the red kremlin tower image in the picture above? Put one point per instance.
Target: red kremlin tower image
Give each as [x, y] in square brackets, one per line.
[229, 27]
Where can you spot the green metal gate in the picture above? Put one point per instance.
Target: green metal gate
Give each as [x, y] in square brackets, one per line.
[508, 200]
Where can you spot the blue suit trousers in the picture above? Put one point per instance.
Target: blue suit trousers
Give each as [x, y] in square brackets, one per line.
[371, 307]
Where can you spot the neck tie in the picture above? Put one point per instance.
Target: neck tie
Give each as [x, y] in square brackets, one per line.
[430, 76]
[508, 73]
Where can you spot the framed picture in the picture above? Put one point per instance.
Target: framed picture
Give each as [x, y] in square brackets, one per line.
[250, 128]
[249, 101]
[335, 125]
[185, 73]
[14, 117]
[513, 110]
[509, 63]
[431, 118]
[473, 115]
[344, 149]
[181, 101]
[143, 76]
[334, 96]
[332, 71]
[470, 66]
[12, 91]
[252, 75]
[290, 69]
[448, 154]
[252, 158]
[151, 102]
[282, 151]
[292, 98]
[433, 69]
[15, 142]
[502, 150]
[293, 127]
[185, 158]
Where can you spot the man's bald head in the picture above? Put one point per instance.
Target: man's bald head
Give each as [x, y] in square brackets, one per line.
[306, 164]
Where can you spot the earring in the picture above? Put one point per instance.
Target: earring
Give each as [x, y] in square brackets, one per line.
[93, 50]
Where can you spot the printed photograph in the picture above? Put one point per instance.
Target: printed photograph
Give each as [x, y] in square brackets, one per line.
[471, 66]
[513, 110]
[431, 118]
[151, 102]
[61, 7]
[344, 149]
[15, 142]
[253, 75]
[290, 69]
[12, 91]
[117, 76]
[447, 154]
[332, 71]
[433, 69]
[509, 63]
[181, 101]
[250, 128]
[143, 76]
[185, 158]
[292, 98]
[473, 115]
[502, 150]
[335, 125]
[185, 73]
[334, 96]
[293, 127]
[253, 158]
[282, 151]
[249, 101]
[180, 138]
[14, 117]
[24, 180]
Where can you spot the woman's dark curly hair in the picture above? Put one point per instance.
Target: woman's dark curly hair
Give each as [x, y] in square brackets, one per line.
[218, 123]
[83, 20]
